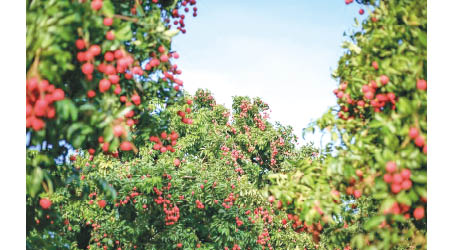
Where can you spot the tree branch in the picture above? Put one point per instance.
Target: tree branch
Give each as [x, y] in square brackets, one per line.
[127, 18]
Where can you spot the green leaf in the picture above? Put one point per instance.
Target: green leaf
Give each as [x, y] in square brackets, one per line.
[114, 144]
[87, 107]
[168, 34]
[67, 108]
[419, 177]
[404, 106]
[404, 198]
[413, 196]
[49, 182]
[421, 191]
[380, 195]
[78, 141]
[36, 179]
[387, 204]
[108, 8]
[73, 111]
[139, 9]
[373, 222]
[105, 122]
[423, 38]
[358, 241]
[74, 127]
[124, 32]
[86, 130]
[108, 133]
[124, 111]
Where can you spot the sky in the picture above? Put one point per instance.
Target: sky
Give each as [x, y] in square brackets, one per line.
[282, 51]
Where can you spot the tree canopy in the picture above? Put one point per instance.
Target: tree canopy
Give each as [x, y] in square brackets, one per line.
[119, 156]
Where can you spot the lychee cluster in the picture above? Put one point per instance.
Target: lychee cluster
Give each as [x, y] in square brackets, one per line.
[41, 95]
[165, 142]
[399, 180]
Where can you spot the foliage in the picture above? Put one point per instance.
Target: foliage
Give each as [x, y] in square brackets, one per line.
[111, 69]
[156, 168]
[204, 195]
[370, 192]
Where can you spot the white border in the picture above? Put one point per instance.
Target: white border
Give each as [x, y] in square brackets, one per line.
[12, 146]
[12, 185]
[438, 126]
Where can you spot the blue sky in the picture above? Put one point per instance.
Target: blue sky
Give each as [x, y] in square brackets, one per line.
[282, 51]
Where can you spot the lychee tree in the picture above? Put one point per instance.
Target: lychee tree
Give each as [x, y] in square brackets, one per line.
[203, 195]
[155, 168]
[97, 72]
[370, 191]
[94, 68]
